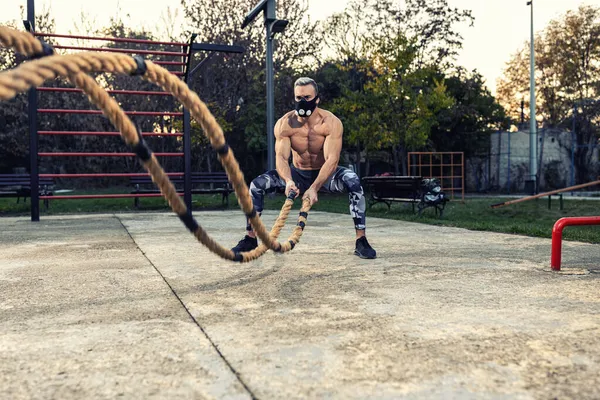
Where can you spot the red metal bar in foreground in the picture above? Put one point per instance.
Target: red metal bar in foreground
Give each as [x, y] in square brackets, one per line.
[108, 39]
[105, 154]
[92, 133]
[557, 235]
[102, 196]
[98, 112]
[107, 175]
[73, 90]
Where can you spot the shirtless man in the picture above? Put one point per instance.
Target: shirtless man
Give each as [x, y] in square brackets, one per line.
[313, 137]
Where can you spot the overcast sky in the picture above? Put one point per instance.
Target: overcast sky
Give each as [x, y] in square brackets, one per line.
[501, 26]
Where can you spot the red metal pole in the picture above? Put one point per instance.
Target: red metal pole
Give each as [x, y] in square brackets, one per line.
[98, 112]
[462, 168]
[126, 51]
[109, 39]
[168, 62]
[557, 235]
[92, 133]
[107, 175]
[103, 196]
[105, 154]
[137, 92]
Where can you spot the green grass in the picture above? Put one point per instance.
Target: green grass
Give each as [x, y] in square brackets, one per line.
[531, 218]
[10, 207]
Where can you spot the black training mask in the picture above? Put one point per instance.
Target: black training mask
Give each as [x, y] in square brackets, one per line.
[305, 108]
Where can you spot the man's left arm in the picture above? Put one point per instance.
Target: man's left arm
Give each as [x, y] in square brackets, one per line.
[331, 150]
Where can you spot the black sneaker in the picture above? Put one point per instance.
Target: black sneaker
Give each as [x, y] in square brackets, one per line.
[246, 244]
[364, 249]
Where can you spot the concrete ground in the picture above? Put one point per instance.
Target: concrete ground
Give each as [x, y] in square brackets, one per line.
[130, 306]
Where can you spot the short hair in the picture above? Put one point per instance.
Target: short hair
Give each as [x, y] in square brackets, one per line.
[305, 81]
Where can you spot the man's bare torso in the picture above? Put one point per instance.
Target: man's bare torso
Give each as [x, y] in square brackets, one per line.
[307, 138]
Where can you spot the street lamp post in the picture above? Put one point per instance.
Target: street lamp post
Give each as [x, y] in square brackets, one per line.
[272, 26]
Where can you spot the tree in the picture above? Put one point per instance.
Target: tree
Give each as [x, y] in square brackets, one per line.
[236, 84]
[431, 23]
[397, 103]
[410, 96]
[393, 53]
[467, 124]
[567, 81]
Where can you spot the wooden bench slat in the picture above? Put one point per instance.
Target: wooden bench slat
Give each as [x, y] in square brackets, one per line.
[399, 199]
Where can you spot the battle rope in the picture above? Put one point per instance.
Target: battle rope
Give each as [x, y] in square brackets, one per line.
[76, 67]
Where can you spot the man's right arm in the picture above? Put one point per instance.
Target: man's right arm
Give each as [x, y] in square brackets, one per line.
[283, 150]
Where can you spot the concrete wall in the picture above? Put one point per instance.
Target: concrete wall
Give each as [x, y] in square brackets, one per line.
[506, 168]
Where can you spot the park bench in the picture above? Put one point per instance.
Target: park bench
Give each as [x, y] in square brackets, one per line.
[19, 186]
[405, 189]
[390, 189]
[210, 182]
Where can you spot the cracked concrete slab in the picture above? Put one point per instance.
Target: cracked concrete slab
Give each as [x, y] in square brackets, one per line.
[83, 314]
[441, 313]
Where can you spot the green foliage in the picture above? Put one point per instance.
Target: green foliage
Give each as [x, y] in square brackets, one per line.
[361, 125]
[397, 102]
[410, 94]
[466, 125]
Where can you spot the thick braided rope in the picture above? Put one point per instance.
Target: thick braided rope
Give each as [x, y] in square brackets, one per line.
[23, 43]
[213, 131]
[278, 225]
[74, 66]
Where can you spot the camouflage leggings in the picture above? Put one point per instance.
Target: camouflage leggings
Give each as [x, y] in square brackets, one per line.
[342, 180]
